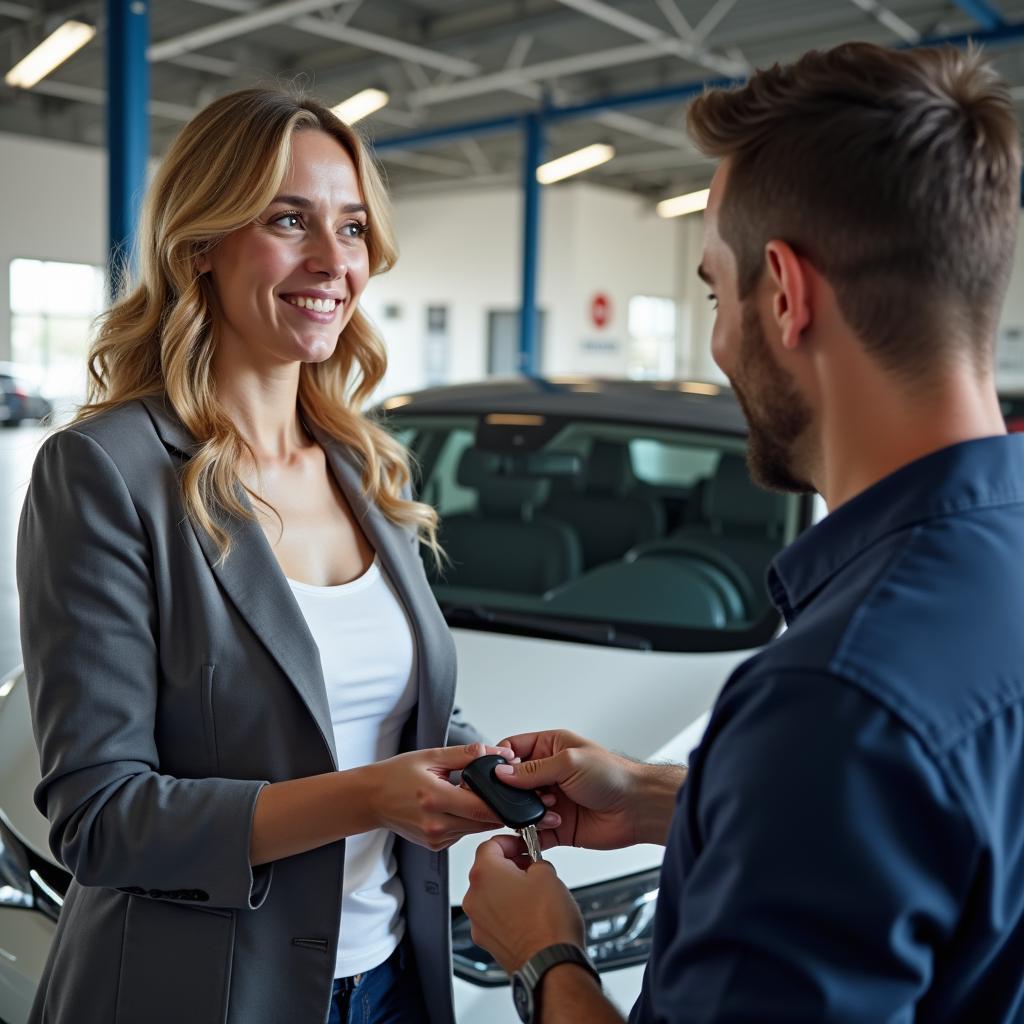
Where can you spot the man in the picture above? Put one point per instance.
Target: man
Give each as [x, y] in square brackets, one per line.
[849, 842]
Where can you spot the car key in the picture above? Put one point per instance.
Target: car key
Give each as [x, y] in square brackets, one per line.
[520, 809]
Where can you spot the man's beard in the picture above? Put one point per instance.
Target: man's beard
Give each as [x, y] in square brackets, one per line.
[777, 414]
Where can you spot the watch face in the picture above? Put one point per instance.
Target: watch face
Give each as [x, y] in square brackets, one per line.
[523, 999]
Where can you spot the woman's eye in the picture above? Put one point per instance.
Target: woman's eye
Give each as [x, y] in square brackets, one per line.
[713, 299]
[354, 229]
[287, 220]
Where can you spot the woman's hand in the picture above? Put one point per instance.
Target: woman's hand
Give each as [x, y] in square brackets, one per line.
[412, 796]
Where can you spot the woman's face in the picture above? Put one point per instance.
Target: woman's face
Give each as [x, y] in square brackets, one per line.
[288, 282]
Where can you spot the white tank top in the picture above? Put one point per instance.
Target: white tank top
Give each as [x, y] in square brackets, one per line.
[368, 657]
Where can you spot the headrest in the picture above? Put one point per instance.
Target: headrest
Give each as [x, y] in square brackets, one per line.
[732, 499]
[499, 494]
[609, 469]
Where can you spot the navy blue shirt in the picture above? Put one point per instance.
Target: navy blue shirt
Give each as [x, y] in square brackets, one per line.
[849, 843]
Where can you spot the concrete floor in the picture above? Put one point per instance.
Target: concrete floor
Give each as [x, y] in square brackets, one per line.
[18, 448]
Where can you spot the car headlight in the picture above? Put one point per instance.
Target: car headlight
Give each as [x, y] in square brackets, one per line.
[26, 880]
[618, 915]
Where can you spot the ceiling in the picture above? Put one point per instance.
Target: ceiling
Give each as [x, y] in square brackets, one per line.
[449, 62]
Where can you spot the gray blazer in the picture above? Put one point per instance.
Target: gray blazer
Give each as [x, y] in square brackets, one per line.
[166, 691]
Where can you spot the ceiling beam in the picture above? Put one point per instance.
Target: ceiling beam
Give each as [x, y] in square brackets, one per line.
[362, 39]
[98, 98]
[893, 22]
[232, 28]
[686, 49]
[675, 18]
[534, 73]
[211, 65]
[711, 20]
[638, 126]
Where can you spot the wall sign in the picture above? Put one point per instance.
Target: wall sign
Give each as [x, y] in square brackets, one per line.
[600, 309]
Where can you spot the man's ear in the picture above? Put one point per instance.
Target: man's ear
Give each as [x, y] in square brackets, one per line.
[790, 284]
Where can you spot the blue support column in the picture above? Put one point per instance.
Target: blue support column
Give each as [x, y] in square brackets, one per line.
[127, 127]
[533, 146]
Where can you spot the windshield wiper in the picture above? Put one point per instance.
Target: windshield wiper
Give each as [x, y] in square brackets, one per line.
[603, 634]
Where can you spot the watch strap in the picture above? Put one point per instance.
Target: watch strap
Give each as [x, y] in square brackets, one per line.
[531, 973]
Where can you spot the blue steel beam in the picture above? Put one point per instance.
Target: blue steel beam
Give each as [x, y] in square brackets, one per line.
[982, 12]
[990, 39]
[449, 133]
[533, 150]
[127, 128]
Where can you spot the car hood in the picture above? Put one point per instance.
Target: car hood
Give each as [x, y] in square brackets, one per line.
[648, 705]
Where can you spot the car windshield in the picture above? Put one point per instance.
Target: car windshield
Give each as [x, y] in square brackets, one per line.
[597, 532]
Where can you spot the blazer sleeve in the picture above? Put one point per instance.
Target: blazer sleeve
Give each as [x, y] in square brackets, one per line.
[90, 645]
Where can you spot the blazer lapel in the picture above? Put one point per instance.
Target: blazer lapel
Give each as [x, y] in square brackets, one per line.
[253, 581]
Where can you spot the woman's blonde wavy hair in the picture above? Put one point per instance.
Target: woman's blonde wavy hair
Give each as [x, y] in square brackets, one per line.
[221, 172]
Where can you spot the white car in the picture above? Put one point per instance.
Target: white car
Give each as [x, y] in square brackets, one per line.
[607, 553]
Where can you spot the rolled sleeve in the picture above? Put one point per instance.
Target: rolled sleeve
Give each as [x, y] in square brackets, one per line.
[817, 863]
[89, 637]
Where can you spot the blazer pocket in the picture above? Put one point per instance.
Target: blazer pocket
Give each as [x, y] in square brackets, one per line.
[209, 721]
[175, 964]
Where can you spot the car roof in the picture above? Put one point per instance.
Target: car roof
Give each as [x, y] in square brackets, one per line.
[686, 404]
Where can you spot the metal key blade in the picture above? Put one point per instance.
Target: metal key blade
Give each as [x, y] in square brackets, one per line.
[532, 841]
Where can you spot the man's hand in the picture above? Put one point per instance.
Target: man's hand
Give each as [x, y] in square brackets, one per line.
[605, 801]
[514, 912]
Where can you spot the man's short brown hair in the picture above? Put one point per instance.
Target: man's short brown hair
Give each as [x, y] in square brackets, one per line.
[895, 173]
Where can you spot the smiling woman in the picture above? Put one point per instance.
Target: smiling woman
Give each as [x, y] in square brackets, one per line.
[223, 186]
[289, 281]
[240, 681]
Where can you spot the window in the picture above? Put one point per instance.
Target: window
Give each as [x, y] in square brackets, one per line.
[602, 532]
[652, 338]
[53, 306]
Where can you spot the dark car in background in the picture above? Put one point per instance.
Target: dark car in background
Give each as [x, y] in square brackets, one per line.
[19, 399]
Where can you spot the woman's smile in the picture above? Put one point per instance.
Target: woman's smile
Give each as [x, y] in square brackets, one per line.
[319, 310]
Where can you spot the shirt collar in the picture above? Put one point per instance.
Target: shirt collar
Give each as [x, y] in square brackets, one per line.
[973, 474]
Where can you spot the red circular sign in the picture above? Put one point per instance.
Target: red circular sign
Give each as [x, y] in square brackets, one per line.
[600, 309]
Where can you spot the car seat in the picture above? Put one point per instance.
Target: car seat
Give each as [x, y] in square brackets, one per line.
[504, 545]
[608, 518]
[742, 530]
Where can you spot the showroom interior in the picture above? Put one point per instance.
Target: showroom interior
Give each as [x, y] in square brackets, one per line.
[547, 204]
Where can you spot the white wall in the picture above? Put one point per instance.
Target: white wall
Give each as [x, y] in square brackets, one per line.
[461, 250]
[53, 206]
[464, 251]
[1010, 351]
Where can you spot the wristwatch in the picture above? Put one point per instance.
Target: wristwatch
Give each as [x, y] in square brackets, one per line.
[526, 980]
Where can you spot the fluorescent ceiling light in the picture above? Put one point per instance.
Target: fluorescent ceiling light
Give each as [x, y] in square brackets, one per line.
[361, 105]
[692, 202]
[49, 54]
[574, 163]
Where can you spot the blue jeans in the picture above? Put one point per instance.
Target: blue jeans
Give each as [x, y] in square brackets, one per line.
[388, 994]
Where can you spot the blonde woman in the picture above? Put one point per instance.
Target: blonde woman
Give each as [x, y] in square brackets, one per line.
[241, 685]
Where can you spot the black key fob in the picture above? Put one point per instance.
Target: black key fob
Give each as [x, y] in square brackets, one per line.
[517, 808]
